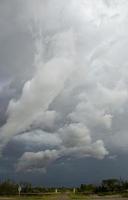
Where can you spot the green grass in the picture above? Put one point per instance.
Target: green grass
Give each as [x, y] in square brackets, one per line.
[78, 196]
[42, 197]
[64, 196]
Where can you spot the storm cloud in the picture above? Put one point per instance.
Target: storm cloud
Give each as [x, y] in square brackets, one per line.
[71, 102]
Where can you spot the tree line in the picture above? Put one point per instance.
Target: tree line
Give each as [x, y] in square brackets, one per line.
[9, 187]
[109, 186]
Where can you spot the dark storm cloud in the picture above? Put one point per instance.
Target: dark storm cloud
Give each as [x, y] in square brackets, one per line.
[63, 82]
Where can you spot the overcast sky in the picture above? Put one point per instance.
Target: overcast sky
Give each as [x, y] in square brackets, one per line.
[63, 90]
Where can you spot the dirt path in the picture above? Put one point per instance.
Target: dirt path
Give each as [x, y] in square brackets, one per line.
[63, 196]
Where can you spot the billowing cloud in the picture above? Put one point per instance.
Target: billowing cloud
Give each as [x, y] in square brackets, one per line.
[76, 99]
[73, 141]
[30, 160]
[77, 142]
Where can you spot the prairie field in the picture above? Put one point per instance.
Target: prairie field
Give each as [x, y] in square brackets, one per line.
[65, 197]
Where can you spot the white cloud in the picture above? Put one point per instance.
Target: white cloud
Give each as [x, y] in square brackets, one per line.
[46, 120]
[36, 97]
[75, 135]
[39, 160]
[77, 142]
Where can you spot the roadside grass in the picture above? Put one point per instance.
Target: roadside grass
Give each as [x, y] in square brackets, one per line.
[41, 197]
[66, 196]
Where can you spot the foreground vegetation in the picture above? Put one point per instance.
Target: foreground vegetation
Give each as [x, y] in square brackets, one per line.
[63, 197]
[107, 187]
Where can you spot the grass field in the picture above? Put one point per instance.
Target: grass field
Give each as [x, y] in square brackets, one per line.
[64, 196]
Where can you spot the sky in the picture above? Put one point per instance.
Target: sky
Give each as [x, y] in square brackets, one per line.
[63, 91]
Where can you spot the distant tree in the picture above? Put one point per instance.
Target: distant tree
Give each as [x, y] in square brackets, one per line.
[87, 188]
[27, 188]
[8, 188]
[111, 185]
